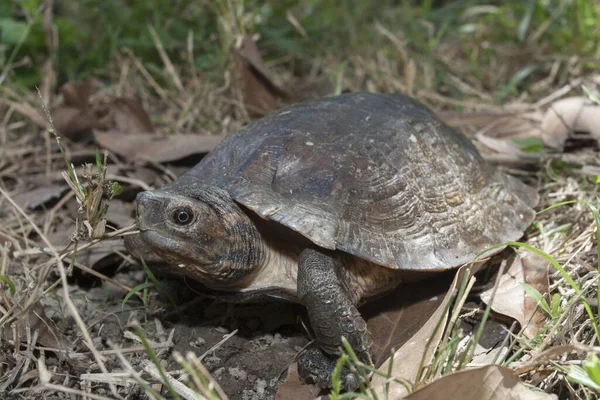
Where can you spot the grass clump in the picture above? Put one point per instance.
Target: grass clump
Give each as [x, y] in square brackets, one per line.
[458, 48]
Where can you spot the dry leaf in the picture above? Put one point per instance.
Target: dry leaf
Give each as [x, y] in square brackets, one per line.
[395, 318]
[421, 346]
[572, 114]
[492, 344]
[129, 116]
[506, 146]
[40, 196]
[503, 125]
[261, 95]
[119, 214]
[34, 319]
[75, 117]
[293, 388]
[143, 147]
[512, 300]
[492, 382]
[496, 131]
[102, 255]
[72, 122]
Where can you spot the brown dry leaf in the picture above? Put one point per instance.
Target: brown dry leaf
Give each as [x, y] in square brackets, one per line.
[102, 255]
[395, 318]
[496, 131]
[77, 94]
[143, 147]
[99, 256]
[119, 214]
[501, 125]
[506, 146]
[129, 116]
[421, 346]
[293, 388]
[75, 117]
[40, 195]
[512, 300]
[261, 95]
[34, 319]
[572, 114]
[492, 382]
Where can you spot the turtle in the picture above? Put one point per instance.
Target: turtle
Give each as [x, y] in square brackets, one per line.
[329, 203]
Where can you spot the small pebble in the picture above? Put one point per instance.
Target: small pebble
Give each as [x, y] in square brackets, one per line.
[217, 372]
[261, 385]
[238, 373]
[198, 342]
[222, 329]
[211, 361]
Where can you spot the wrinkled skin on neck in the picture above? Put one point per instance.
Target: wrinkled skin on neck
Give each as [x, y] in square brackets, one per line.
[201, 232]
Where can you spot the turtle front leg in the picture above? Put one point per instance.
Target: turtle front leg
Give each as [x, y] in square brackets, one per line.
[331, 305]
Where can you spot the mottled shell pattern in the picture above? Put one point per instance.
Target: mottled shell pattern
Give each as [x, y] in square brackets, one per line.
[374, 175]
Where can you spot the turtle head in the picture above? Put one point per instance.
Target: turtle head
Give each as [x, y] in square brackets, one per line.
[201, 232]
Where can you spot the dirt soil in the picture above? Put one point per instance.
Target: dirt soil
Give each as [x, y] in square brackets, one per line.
[247, 348]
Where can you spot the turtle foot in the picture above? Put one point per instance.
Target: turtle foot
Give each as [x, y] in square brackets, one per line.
[317, 368]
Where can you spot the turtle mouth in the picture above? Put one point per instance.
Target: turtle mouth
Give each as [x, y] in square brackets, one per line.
[175, 252]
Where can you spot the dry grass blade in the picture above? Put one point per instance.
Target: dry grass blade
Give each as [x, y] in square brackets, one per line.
[512, 299]
[65, 288]
[418, 351]
[179, 387]
[166, 60]
[486, 383]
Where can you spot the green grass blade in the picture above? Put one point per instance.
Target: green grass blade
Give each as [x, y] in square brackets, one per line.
[566, 276]
[562, 203]
[159, 286]
[156, 362]
[9, 282]
[538, 297]
[133, 291]
[597, 221]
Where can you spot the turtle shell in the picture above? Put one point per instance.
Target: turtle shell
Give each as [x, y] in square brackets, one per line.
[374, 175]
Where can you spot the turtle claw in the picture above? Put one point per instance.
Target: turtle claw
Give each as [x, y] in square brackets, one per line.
[317, 367]
[350, 382]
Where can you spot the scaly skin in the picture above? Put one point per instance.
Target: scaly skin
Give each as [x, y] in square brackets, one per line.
[332, 314]
[376, 179]
[224, 248]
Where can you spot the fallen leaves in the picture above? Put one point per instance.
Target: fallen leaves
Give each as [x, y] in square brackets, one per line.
[512, 300]
[491, 382]
[420, 349]
[144, 147]
[261, 95]
[75, 117]
[571, 114]
[396, 318]
[508, 132]
[34, 319]
[41, 195]
[293, 388]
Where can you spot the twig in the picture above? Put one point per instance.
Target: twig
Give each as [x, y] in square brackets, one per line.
[179, 387]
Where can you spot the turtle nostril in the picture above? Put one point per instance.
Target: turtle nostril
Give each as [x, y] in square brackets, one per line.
[142, 201]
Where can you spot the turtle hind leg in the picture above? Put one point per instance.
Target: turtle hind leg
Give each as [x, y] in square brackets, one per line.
[332, 313]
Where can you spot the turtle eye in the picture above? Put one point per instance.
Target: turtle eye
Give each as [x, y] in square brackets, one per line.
[183, 216]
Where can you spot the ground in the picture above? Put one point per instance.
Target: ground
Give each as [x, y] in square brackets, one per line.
[140, 91]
